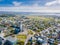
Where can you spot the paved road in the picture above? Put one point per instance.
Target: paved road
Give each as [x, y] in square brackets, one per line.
[28, 37]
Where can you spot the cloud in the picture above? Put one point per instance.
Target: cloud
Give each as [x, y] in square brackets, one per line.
[36, 4]
[50, 3]
[30, 9]
[33, 3]
[17, 3]
[53, 3]
[18, 7]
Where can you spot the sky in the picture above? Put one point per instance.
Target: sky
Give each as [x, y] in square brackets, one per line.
[30, 5]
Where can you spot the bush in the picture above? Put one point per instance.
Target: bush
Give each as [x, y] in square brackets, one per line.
[28, 43]
[30, 32]
[20, 43]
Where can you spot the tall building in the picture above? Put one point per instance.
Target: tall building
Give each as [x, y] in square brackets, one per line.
[20, 26]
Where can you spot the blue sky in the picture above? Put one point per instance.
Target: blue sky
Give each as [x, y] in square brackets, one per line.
[24, 2]
[30, 5]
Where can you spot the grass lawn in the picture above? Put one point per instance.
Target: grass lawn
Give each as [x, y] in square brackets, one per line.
[21, 37]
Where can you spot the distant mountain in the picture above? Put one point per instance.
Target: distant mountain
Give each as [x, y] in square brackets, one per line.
[30, 13]
[6, 14]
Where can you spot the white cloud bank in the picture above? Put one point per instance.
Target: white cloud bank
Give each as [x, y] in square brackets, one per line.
[30, 9]
[53, 3]
[17, 3]
[34, 8]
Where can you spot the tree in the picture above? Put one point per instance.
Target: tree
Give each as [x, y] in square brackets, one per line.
[7, 42]
[29, 43]
[20, 42]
